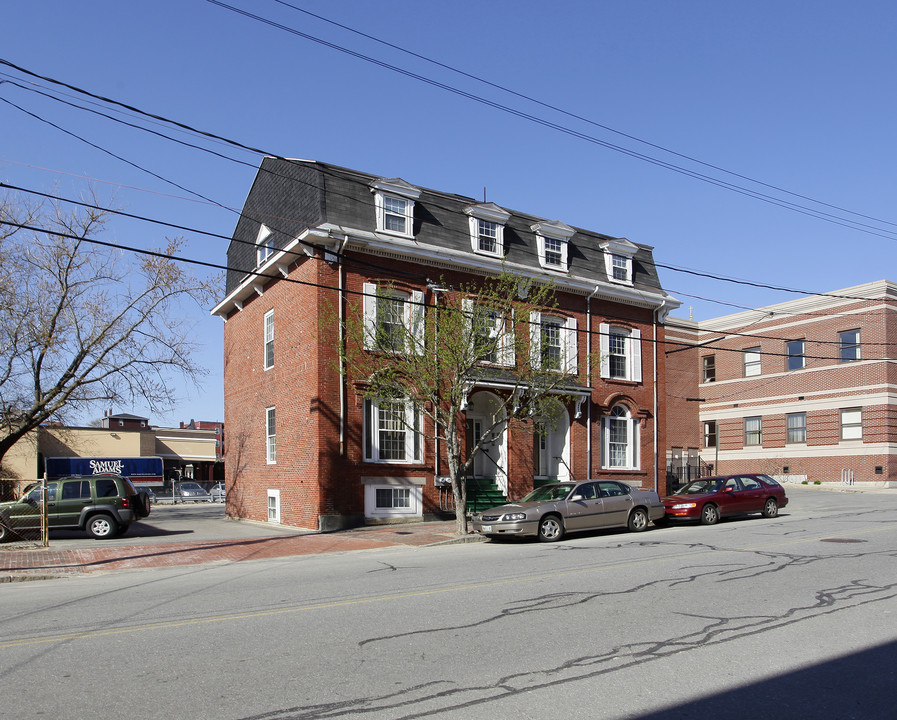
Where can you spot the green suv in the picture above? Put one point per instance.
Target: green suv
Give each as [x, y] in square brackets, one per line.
[103, 505]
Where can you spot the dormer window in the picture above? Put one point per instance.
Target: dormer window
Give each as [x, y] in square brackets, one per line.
[394, 204]
[264, 245]
[553, 238]
[621, 268]
[618, 254]
[487, 228]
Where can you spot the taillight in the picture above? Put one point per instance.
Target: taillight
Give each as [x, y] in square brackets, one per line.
[126, 502]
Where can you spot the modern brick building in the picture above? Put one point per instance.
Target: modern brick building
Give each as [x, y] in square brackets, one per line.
[801, 390]
[317, 242]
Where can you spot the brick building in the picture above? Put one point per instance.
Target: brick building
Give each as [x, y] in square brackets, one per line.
[316, 242]
[801, 390]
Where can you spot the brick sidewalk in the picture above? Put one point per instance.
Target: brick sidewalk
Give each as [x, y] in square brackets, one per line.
[49, 562]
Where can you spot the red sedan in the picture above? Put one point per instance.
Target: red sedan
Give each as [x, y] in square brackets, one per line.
[710, 499]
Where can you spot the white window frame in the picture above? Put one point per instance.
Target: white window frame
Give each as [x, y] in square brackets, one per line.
[268, 347]
[852, 345]
[753, 361]
[499, 328]
[400, 488]
[569, 341]
[632, 345]
[800, 356]
[412, 318]
[409, 425]
[553, 232]
[618, 253]
[852, 423]
[711, 432]
[497, 218]
[270, 436]
[708, 368]
[264, 245]
[617, 420]
[397, 190]
[273, 502]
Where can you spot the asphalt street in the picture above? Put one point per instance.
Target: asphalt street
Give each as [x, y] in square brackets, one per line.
[784, 618]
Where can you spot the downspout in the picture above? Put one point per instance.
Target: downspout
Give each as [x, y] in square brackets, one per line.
[656, 444]
[589, 376]
[342, 330]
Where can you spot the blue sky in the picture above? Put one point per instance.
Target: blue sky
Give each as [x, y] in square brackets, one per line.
[796, 95]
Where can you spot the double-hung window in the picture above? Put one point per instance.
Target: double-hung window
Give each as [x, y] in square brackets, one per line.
[753, 431]
[487, 228]
[618, 254]
[620, 439]
[850, 345]
[708, 368]
[553, 238]
[797, 427]
[269, 339]
[620, 267]
[752, 361]
[852, 424]
[553, 343]
[392, 431]
[264, 245]
[490, 337]
[394, 204]
[794, 350]
[270, 436]
[710, 433]
[621, 353]
[393, 319]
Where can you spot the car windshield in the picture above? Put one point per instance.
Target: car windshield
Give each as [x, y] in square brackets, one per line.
[556, 491]
[190, 486]
[699, 487]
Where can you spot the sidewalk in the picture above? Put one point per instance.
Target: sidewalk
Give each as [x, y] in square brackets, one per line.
[42, 563]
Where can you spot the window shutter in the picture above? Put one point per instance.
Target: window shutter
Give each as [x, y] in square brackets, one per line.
[370, 316]
[604, 348]
[415, 319]
[507, 357]
[535, 339]
[635, 355]
[572, 347]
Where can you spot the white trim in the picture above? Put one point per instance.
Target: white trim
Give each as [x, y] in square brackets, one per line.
[275, 494]
[407, 249]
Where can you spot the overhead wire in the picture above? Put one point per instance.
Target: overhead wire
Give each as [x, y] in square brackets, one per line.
[243, 146]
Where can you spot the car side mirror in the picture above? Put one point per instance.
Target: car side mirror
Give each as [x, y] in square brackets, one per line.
[575, 498]
[729, 490]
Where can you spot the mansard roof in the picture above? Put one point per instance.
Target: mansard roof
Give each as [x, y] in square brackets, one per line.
[307, 199]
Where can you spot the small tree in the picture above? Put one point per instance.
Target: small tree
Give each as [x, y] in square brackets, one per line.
[434, 357]
[82, 325]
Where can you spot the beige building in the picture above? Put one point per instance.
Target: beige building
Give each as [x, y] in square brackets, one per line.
[195, 454]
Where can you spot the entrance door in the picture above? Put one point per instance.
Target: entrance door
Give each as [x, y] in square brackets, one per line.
[490, 461]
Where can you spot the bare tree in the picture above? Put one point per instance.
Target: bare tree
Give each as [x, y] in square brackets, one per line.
[82, 325]
[398, 351]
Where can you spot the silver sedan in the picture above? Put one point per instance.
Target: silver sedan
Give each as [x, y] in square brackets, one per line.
[550, 511]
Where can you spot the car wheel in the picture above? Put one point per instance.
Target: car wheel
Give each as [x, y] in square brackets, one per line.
[551, 528]
[709, 515]
[143, 504]
[4, 533]
[771, 508]
[638, 520]
[102, 526]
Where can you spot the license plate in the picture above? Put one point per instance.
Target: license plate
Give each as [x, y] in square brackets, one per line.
[487, 528]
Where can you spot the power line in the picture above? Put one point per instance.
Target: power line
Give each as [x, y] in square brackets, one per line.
[257, 273]
[568, 113]
[320, 168]
[844, 222]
